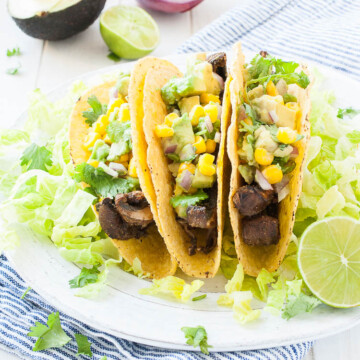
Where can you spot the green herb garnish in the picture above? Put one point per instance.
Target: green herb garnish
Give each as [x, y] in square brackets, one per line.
[197, 336]
[97, 109]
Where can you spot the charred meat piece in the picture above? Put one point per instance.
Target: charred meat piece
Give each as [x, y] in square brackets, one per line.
[260, 230]
[251, 200]
[113, 224]
[218, 62]
[134, 208]
[201, 217]
[211, 241]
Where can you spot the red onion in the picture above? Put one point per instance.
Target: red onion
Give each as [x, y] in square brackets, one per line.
[170, 149]
[242, 113]
[119, 168]
[273, 116]
[294, 153]
[208, 124]
[186, 181]
[219, 79]
[283, 193]
[170, 6]
[261, 180]
[217, 137]
[280, 185]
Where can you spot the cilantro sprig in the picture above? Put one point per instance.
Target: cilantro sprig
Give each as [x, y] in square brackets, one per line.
[49, 336]
[84, 346]
[36, 157]
[350, 112]
[103, 184]
[86, 276]
[13, 52]
[197, 336]
[97, 109]
[188, 200]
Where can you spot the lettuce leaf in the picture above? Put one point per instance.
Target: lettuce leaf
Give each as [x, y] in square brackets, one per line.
[174, 287]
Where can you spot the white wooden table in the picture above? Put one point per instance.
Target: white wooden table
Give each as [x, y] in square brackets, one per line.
[47, 64]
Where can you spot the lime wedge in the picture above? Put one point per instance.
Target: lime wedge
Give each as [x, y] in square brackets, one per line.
[329, 261]
[129, 31]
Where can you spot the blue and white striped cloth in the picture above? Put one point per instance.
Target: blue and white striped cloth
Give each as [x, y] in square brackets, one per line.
[324, 31]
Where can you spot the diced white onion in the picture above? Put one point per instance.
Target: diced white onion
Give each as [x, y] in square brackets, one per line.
[280, 185]
[217, 137]
[208, 124]
[119, 168]
[261, 180]
[108, 171]
[273, 116]
[219, 79]
[284, 192]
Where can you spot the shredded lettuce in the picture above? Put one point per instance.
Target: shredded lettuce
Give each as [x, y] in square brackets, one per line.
[46, 198]
[135, 268]
[173, 286]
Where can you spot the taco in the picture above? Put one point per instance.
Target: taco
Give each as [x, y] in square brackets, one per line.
[267, 142]
[101, 148]
[184, 121]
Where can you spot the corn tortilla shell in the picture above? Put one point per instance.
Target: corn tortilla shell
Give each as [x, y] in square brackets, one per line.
[199, 265]
[151, 249]
[255, 258]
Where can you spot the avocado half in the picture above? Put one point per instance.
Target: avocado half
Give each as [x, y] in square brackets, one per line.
[54, 19]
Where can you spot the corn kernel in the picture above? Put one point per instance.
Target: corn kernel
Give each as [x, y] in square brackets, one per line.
[178, 190]
[116, 103]
[271, 89]
[295, 106]
[126, 164]
[164, 131]
[210, 146]
[192, 190]
[286, 135]
[132, 169]
[199, 144]
[263, 157]
[107, 139]
[124, 112]
[186, 166]
[273, 174]
[90, 140]
[196, 113]
[248, 121]
[208, 170]
[212, 111]
[205, 98]
[206, 159]
[124, 158]
[99, 128]
[93, 163]
[169, 118]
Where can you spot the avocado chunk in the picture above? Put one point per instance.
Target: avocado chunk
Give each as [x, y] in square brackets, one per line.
[201, 181]
[186, 104]
[187, 153]
[54, 20]
[100, 151]
[122, 84]
[183, 132]
[198, 79]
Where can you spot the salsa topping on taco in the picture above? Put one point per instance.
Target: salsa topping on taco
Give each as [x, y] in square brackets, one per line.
[110, 171]
[190, 136]
[267, 145]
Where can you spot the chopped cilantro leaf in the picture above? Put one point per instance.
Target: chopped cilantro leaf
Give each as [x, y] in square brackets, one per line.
[200, 297]
[25, 293]
[97, 109]
[13, 52]
[84, 346]
[86, 276]
[350, 112]
[13, 70]
[174, 157]
[286, 165]
[36, 157]
[49, 336]
[113, 57]
[250, 112]
[188, 200]
[103, 184]
[299, 304]
[197, 336]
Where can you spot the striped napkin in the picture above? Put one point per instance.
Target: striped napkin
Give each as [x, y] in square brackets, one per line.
[327, 32]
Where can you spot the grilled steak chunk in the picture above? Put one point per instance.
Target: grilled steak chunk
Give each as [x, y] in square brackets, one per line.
[251, 200]
[113, 224]
[218, 62]
[260, 230]
[134, 208]
[201, 217]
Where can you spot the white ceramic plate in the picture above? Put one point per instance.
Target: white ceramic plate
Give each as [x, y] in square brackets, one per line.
[121, 311]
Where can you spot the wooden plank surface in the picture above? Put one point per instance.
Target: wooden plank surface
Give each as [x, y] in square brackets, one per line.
[48, 64]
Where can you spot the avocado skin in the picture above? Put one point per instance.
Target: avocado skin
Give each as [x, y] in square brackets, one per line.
[62, 24]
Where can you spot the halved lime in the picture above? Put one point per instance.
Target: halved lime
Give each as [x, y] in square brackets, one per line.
[129, 31]
[329, 260]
